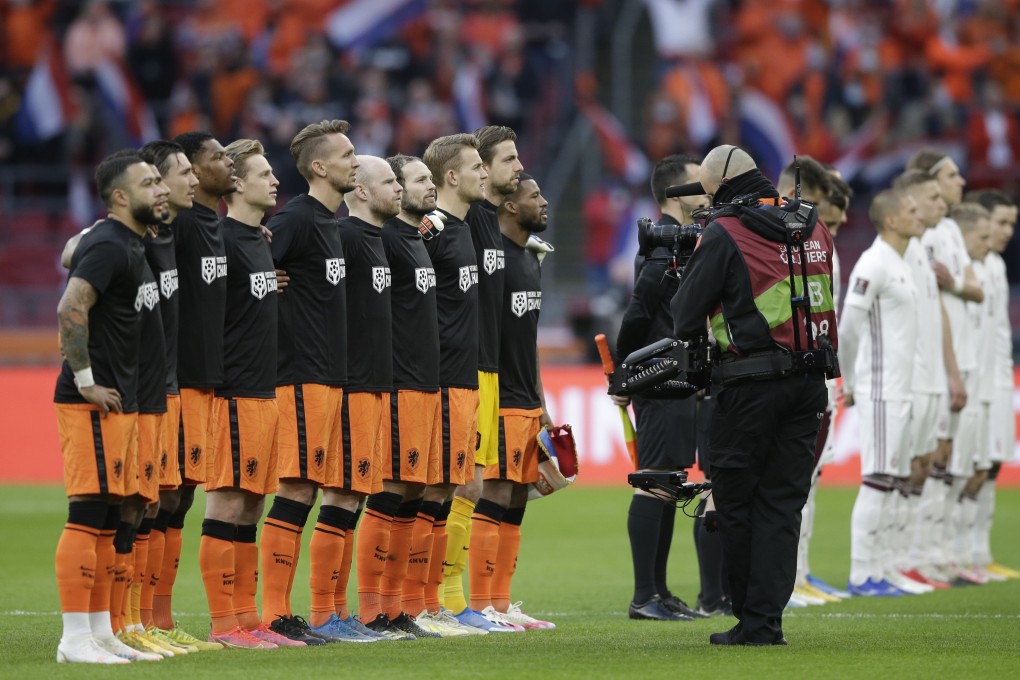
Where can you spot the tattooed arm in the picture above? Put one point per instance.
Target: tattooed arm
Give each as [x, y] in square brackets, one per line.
[73, 319]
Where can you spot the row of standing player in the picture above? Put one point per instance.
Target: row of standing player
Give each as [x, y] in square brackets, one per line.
[267, 391]
[926, 354]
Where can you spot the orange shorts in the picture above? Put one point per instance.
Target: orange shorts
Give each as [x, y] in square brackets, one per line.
[150, 429]
[414, 431]
[459, 435]
[518, 446]
[309, 431]
[195, 437]
[169, 440]
[100, 453]
[362, 416]
[244, 446]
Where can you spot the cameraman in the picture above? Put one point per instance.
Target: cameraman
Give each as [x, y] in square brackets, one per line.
[666, 428]
[772, 395]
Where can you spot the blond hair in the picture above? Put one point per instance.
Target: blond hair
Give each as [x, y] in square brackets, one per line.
[443, 154]
[968, 214]
[240, 151]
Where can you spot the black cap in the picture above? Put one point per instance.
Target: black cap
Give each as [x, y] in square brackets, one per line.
[691, 189]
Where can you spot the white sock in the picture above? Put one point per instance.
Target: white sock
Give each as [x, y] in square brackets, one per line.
[952, 547]
[906, 530]
[967, 513]
[806, 524]
[982, 536]
[922, 525]
[865, 521]
[75, 624]
[884, 558]
[100, 624]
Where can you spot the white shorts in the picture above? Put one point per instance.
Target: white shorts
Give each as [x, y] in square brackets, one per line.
[1002, 426]
[923, 422]
[982, 455]
[967, 442]
[885, 437]
[948, 421]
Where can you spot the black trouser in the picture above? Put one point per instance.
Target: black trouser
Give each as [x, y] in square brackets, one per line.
[763, 448]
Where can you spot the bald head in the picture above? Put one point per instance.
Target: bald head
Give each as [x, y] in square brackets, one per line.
[885, 205]
[376, 194]
[715, 168]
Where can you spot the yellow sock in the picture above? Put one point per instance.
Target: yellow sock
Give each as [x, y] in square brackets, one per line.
[458, 531]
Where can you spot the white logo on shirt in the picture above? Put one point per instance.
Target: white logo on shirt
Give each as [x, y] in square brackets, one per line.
[168, 283]
[424, 278]
[150, 295]
[468, 277]
[524, 301]
[214, 268]
[262, 283]
[335, 270]
[492, 260]
[380, 278]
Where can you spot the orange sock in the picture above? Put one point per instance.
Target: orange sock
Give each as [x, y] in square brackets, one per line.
[391, 587]
[373, 544]
[327, 553]
[140, 560]
[216, 562]
[105, 560]
[246, 576]
[419, 559]
[162, 615]
[121, 566]
[125, 601]
[153, 568]
[483, 552]
[506, 562]
[436, 566]
[340, 594]
[76, 561]
[281, 540]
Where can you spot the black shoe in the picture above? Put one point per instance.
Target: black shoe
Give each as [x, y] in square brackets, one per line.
[381, 624]
[407, 624]
[735, 636]
[295, 628]
[655, 610]
[721, 608]
[674, 603]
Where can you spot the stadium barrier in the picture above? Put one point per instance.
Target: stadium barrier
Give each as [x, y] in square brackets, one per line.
[30, 450]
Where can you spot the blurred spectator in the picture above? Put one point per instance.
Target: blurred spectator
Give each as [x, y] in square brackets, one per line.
[95, 37]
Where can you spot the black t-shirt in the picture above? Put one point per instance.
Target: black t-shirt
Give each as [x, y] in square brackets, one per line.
[370, 342]
[111, 258]
[152, 352]
[313, 311]
[202, 272]
[522, 303]
[415, 323]
[249, 333]
[453, 257]
[488, 243]
[162, 258]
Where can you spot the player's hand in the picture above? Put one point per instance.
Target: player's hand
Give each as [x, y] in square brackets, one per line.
[620, 400]
[282, 281]
[106, 398]
[266, 234]
[957, 394]
[848, 399]
[545, 421]
[942, 275]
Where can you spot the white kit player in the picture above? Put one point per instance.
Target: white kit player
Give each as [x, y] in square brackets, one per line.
[959, 285]
[930, 386]
[1002, 420]
[878, 332]
[970, 462]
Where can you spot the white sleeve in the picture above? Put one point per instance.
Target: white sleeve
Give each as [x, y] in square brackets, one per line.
[850, 325]
[866, 282]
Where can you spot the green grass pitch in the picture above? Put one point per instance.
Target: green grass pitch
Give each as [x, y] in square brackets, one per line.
[574, 569]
